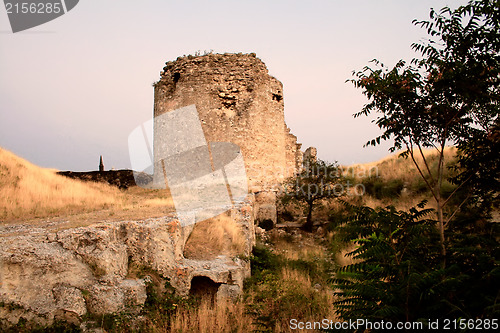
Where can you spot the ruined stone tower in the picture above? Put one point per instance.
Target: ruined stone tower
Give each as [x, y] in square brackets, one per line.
[239, 102]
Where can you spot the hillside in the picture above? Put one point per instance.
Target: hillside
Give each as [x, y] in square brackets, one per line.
[29, 192]
[395, 180]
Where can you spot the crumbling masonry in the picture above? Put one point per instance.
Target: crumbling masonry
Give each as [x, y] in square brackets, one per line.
[238, 102]
[47, 273]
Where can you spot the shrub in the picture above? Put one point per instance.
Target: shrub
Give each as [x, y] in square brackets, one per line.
[380, 189]
[286, 216]
[398, 274]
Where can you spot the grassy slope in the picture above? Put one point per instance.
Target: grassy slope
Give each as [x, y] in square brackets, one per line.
[295, 288]
[397, 179]
[28, 192]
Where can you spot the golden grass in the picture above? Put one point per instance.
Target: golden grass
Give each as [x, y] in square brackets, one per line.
[224, 316]
[303, 286]
[297, 299]
[394, 167]
[215, 236]
[308, 250]
[29, 193]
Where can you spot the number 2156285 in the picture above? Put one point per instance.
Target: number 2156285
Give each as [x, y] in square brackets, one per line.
[33, 8]
[471, 324]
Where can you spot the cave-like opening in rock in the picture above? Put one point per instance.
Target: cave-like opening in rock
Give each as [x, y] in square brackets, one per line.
[204, 287]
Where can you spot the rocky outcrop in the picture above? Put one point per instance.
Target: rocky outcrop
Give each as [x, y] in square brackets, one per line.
[45, 274]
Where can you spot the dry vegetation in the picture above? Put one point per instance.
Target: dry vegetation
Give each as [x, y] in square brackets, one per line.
[296, 287]
[399, 177]
[207, 318]
[31, 193]
[215, 236]
[394, 167]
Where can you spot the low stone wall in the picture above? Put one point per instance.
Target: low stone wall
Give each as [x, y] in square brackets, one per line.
[47, 274]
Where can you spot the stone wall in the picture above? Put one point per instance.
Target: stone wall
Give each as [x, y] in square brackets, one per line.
[239, 102]
[47, 273]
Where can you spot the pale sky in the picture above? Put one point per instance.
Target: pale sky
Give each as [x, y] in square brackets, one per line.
[74, 88]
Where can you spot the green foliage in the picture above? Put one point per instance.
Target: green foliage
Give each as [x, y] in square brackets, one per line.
[279, 300]
[338, 217]
[419, 186]
[448, 96]
[263, 262]
[161, 299]
[275, 300]
[474, 262]
[114, 322]
[397, 276]
[380, 189]
[451, 92]
[318, 180]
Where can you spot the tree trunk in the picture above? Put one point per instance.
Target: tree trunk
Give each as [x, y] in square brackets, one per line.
[308, 226]
[439, 201]
[441, 233]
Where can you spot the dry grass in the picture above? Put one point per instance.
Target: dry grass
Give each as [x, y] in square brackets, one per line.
[394, 167]
[225, 316]
[303, 288]
[389, 169]
[215, 236]
[291, 293]
[295, 298]
[29, 193]
[306, 250]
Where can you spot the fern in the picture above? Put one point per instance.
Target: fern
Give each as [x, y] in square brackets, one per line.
[396, 273]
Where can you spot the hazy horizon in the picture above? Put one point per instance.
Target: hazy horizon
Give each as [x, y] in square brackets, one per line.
[74, 88]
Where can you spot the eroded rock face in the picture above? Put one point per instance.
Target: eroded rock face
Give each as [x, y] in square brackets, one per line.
[127, 295]
[46, 273]
[32, 268]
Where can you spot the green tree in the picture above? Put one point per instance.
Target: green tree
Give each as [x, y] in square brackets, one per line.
[397, 276]
[391, 262]
[317, 180]
[406, 268]
[448, 96]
